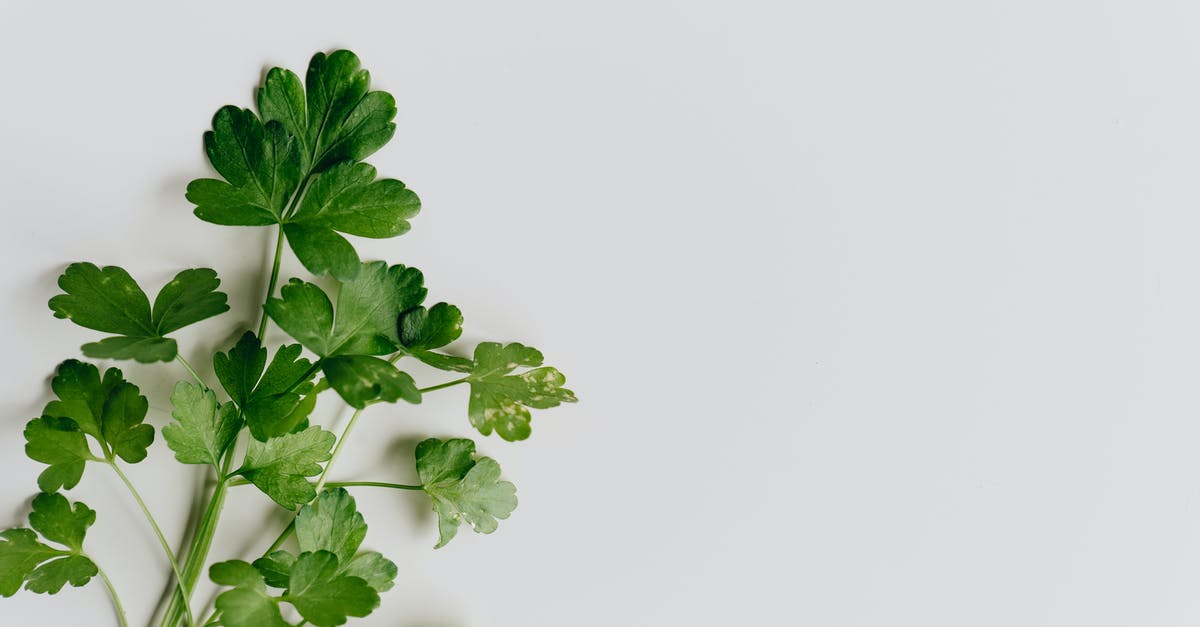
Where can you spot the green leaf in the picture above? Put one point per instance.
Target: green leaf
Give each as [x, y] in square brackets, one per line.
[203, 430]
[59, 443]
[276, 568]
[110, 409]
[339, 118]
[332, 524]
[361, 380]
[57, 521]
[424, 329]
[42, 568]
[122, 427]
[462, 488]
[279, 466]
[347, 199]
[247, 604]
[500, 401]
[51, 576]
[322, 596]
[20, 554]
[322, 250]
[262, 164]
[378, 571]
[367, 311]
[271, 401]
[188, 298]
[82, 394]
[108, 300]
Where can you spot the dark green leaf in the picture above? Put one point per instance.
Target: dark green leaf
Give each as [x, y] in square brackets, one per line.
[59, 443]
[322, 596]
[276, 568]
[51, 576]
[338, 118]
[279, 466]
[109, 300]
[424, 329]
[203, 431]
[20, 554]
[109, 409]
[367, 311]
[462, 488]
[500, 401]
[45, 569]
[271, 401]
[347, 199]
[57, 521]
[262, 164]
[360, 380]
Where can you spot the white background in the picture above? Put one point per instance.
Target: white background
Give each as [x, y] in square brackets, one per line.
[881, 313]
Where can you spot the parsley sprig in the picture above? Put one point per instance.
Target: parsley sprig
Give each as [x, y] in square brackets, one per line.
[296, 165]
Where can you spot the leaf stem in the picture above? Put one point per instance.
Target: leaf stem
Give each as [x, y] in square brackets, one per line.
[112, 592]
[373, 484]
[337, 451]
[192, 371]
[262, 324]
[166, 547]
[444, 385]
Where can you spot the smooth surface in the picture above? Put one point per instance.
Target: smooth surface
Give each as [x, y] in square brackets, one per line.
[880, 313]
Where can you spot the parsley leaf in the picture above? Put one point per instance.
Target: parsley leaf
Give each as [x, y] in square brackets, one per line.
[57, 521]
[332, 523]
[422, 330]
[360, 380]
[462, 488]
[367, 309]
[42, 568]
[109, 300]
[338, 118]
[347, 199]
[203, 431]
[279, 466]
[324, 597]
[110, 409]
[364, 324]
[262, 164]
[500, 401]
[59, 443]
[271, 401]
[247, 604]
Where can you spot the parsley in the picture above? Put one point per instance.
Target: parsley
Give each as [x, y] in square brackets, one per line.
[295, 164]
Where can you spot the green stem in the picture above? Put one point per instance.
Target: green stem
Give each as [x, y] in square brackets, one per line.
[116, 599]
[447, 384]
[162, 540]
[201, 543]
[337, 450]
[262, 324]
[372, 484]
[179, 358]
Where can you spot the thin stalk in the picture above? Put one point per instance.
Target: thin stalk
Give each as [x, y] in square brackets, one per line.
[447, 384]
[337, 450]
[179, 358]
[262, 324]
[166, 547]
[372, 484]
[201, 543]
[116, 599]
